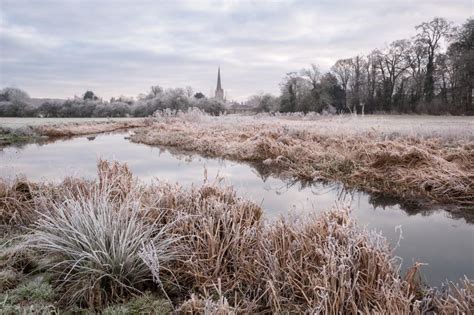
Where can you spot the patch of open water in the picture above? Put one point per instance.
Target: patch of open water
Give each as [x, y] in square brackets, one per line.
[434, 237]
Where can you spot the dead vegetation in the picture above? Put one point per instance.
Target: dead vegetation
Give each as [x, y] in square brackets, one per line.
[44, 133]
[16, 202]
[84, 128]
[208, 251]
[404, 166]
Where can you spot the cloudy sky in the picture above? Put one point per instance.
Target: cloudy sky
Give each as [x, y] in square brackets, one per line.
[62, 48]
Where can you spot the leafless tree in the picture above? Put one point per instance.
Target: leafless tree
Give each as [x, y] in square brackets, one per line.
[430, 35]
[342, 69]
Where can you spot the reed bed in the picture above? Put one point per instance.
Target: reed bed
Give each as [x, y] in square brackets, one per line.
[84, 128]
[208, 251]
[35, 132]
[406, 166]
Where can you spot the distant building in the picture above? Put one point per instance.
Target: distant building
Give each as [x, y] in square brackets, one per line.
[219, 91]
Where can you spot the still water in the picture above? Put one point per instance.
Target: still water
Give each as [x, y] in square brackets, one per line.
[434, 237]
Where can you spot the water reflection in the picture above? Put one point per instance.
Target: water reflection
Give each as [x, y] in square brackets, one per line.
[441, 239]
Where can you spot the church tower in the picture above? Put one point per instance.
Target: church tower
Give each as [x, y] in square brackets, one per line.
[219, 91]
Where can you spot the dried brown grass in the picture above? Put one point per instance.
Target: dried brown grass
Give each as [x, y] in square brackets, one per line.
[230, 260]
[407, 167]
[455, 299]
[84, 128]
[16, 202]
[206, 306]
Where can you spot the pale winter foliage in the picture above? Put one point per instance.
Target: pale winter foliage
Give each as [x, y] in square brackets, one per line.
[16, 103]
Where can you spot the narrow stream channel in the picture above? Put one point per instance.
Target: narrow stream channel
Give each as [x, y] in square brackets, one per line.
[434, 237]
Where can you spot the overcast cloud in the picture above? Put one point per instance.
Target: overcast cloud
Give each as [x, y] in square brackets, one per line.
[63, 48]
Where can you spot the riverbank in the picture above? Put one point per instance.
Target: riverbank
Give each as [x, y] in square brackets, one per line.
[417, 165]
[195, 249]
[20, 131]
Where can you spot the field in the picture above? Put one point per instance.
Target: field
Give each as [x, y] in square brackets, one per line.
[118, 245]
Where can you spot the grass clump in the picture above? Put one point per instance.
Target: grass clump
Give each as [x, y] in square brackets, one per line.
[219, 236]
[207, 306]
[145, 304]
[16, 202]
[98, 236]
[33, 296]
[35, 308]
[31, 291]
[9, 278]
[18, 257]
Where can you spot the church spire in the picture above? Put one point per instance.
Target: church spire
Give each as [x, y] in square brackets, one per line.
[219, 91]
[219, 87]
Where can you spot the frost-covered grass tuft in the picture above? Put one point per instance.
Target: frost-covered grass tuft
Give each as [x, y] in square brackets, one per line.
[98, 234]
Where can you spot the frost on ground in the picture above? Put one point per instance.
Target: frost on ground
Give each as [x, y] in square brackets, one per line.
[19, 131]
[23, 122]
[119, 245]
[414, 158]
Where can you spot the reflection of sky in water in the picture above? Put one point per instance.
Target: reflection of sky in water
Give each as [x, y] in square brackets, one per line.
[446, 244]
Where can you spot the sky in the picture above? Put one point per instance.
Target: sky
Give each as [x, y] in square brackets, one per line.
[61, 48]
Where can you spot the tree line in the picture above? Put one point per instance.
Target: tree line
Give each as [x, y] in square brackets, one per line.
[17, 103]
[430, 73]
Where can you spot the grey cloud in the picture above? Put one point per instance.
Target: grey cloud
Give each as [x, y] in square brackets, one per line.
[61, 48]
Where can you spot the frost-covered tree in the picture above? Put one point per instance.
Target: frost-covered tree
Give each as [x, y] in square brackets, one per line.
[89, 95]
[13, 94]
[263, 102]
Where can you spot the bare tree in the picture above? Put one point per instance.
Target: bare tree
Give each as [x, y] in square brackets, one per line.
[417, 70]
[155, 91]
[356, 83]
[371, 75]
[461, 57]
[342, 69]
[318, 95]
[189, 91]
[313, 74]
[393, 62]
[430, 35]
[13, 94]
